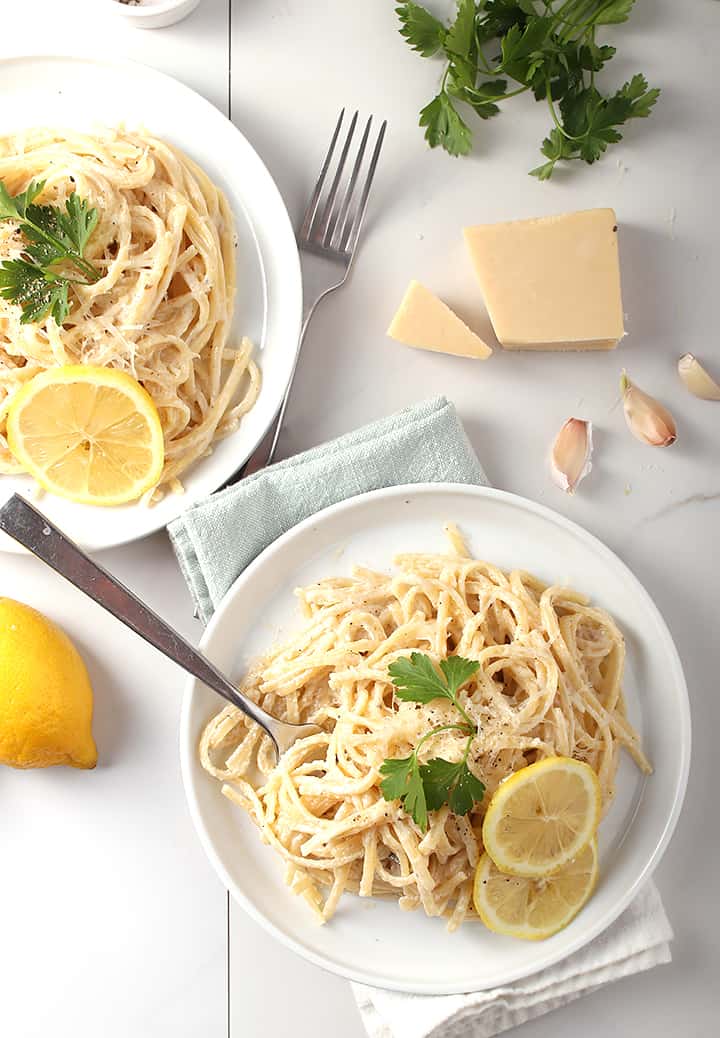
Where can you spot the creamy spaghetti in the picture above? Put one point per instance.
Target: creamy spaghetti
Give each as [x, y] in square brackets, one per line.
[163, 306]
[549, 683]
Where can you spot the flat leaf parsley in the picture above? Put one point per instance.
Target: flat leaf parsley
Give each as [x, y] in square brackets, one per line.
[426, 787]
[53, 253]
[544, 46]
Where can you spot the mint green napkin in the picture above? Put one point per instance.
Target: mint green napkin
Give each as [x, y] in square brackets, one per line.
[216, 539]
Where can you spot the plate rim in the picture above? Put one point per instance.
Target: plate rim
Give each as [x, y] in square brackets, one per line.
[188, 749]
[292, 294]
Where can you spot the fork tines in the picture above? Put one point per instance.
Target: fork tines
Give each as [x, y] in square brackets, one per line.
[334, 217]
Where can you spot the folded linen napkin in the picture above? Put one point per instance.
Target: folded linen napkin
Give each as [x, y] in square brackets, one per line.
[216, 539]
[638, 940]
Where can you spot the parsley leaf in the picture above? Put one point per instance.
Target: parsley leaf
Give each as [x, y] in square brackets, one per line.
[23, 283]
[78, 222]
[39, 280]
[452, 784]
[554, 148]
[414, 800]
[457, 671]
[416, 680]
[602, 119]
[466, 791]
[460, 38]
[592, 121]
[521, 49]
[641, 97]
[67, 232]
[403, 782]
[397, 775]
[498, 16]
[13, 207]
[445, 127]
[592, 58]
[422, 30]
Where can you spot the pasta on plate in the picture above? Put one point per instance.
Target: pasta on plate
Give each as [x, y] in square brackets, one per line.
[549, 683]
[163, 306]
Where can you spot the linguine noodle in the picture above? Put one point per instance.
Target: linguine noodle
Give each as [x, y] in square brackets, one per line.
[549, 683]
[162, 309]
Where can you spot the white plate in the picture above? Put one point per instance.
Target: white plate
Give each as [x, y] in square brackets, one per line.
[80, 93]
[373, 941]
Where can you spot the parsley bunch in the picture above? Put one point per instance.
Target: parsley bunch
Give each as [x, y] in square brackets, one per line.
[497, 49]
[52, 257]
[426, 787]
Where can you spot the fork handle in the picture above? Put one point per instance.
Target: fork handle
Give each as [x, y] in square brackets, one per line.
[264, 454]
[32, 529]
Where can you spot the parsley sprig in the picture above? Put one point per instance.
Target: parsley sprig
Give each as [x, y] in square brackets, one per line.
[426, 787]
[53, 254]
[497, 49]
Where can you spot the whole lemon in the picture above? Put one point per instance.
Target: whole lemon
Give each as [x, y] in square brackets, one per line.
[46, 700]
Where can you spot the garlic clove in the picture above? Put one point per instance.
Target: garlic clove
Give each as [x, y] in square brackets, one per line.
[646, 417]
[696, 378]
[571, 453]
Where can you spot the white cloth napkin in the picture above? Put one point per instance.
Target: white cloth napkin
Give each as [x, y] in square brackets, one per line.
[636, 941]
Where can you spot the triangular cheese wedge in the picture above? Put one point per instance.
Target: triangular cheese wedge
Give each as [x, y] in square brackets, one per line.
[424, 321]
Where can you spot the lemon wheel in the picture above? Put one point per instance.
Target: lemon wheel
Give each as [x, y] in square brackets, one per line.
[541, 817]
[532, 908]
[89, 434]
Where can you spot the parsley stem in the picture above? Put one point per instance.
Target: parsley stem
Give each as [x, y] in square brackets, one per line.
[570, 13]
[482, 59]
[91, 272]
[560, 16]
[468, 720]
[553, 113]
[497, 97]
[584, 17]
[468, 744]
[592, 20]
[444, 728]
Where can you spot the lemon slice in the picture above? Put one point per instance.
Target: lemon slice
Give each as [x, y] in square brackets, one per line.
[521, 906]
[542, 816]
[90, 434]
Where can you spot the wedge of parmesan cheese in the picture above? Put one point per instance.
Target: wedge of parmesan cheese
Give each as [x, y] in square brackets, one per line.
[552, 283]
[424, 321]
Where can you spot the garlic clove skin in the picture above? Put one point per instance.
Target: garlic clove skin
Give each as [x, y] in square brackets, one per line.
[647, 419]
[696, 378]
[570, 460]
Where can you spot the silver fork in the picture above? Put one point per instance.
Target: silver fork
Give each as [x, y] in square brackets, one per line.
[31, 528]
[327, 240]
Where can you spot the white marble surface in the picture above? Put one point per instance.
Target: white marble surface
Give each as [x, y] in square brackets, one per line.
[111, 922]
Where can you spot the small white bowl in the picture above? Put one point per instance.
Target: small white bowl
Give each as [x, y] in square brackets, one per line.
[153, 14]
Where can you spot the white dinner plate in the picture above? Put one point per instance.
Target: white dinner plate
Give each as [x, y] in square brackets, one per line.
[372, 941]
[80, 93]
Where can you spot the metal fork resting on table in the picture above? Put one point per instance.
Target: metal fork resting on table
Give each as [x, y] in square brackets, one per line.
[327, 240]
